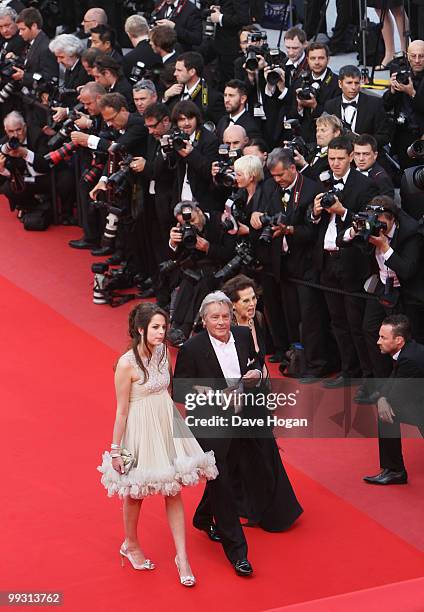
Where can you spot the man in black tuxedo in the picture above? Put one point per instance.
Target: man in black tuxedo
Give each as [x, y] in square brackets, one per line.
[220, 353]
[235, 99]
[137, 31]
[365, 153]
[184, 18]
[190, 85]
[10, 43]
[396, 259]
[292, 244]
[103, 38]
[340, 269]
[360, 113]
[193, 179]
[108, 72]
[401, 400]
[327, 128]
[323, 81]
[230, 16]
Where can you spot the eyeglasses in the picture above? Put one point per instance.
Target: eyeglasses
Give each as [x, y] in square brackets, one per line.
[109, 119]
[153, 126]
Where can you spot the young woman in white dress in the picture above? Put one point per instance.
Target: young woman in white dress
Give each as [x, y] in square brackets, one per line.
[165, 454]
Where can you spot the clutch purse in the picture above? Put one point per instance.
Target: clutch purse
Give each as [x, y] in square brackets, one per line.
[127, 458]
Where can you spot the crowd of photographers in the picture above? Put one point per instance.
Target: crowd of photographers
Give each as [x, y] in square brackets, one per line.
[203, 152]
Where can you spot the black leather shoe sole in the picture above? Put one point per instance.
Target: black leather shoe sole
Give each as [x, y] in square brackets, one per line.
[243, 568]
[211, 532]
[386, 480]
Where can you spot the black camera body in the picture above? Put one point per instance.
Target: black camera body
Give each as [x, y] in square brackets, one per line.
[67, 128]
[400, 66]
[253, 50]
[117, 180]
[268, 222]
[244, 256]
[11, 145]
[308, 87]
[225, 176]
[275, 59]
[188, 230]
[329, 198]
[367, 224]
[416, 149]
[174, 141]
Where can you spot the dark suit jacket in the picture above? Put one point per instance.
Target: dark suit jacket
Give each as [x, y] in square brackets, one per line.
[73, 79]
[357, 192]
[188, 24]
[215, 108]
[245, 120]
[196, 360]
[15, 45]
[123, 86]
[143, 52]
[198, 165]
[383, 181]
[314, 170]
[370, 119]
[40, 59]
[236, 14]
[404, 390]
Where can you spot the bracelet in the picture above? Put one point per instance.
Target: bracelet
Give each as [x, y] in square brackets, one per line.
[115, 446]
[115, 455]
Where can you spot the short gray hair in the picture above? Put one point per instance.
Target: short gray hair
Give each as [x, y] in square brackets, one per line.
[280, 155]
[216, 297]
[68, 44]
[14, 116]
[192, 203]
[250, 166]
[145, 84]
[136, 25]
[8, 11]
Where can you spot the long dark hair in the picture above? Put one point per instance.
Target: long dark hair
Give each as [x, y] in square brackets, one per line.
[139, 318]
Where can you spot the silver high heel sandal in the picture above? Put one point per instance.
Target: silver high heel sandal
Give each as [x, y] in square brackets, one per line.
[124, 552]
[188, 581]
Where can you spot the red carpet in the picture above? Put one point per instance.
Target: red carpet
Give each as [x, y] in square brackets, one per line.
[61, 532]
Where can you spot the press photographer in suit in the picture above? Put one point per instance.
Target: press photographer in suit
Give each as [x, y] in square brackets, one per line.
[360, 113]
[340, 268]
[137, 31]
[365, 153]
[184, 18]
[401, 400]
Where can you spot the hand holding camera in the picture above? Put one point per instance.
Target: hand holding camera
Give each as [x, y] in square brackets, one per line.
[255, 220]
[60, 114]
[175, 236]
[215, 15]
[101, 186]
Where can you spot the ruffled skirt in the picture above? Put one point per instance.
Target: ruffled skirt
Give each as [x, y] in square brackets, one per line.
[167, 456]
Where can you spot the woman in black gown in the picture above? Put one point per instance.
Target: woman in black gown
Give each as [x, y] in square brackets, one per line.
[265, 494]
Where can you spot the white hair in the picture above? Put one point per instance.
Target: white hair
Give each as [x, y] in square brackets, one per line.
[216, 297]
[14, 116]
[68, 44]
[136, 25]
[8, 11]
[250, 166]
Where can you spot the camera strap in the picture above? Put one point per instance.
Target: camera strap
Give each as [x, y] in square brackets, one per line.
[295, 194]
[175, 11]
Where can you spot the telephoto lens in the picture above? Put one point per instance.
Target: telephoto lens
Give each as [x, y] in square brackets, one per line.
[99, 270]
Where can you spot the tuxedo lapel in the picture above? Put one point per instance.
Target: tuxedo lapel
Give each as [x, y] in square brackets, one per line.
[212, 359]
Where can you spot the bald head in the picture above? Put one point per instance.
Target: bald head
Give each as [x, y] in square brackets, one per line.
[94, 17]
[235, 136]
[416, 55]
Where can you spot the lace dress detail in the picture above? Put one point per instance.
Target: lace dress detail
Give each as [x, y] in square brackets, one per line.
[167, 456]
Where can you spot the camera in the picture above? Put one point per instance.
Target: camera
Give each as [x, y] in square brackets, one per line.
[367, 224]
[416, 149]
[268, 221]
[68, 126]
[329, 198]
[11, 145]
[275, 59]
[117, 179]
[253, 50]
[174, 141]
[400, 66]
[225, 176]
[236, 207]
[188, 230]
[308, 87]
[7, 67]
[243, 256]
[64, 153]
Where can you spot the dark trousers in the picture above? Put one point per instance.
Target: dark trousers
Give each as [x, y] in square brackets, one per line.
[291, 309]
[390, 445]
[373, 317]
[219, 503]
[315, 21]
[346, 314]
[274, 312]
[347, 14]
[92, 219]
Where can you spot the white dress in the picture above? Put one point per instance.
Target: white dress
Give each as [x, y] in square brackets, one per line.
[167, 456]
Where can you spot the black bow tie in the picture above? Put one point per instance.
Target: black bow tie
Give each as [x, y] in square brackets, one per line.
[338, 182]
[346, 104]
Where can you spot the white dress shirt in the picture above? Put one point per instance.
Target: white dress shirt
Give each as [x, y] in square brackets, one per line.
[226, 354]
[331, 233]
[350, 114]
[186, 193]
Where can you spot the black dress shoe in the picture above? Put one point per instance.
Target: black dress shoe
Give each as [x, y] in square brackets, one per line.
[211, 531]
[388, 477]
[101, 251]
[335, 383]
[82, 244]
[243, 567]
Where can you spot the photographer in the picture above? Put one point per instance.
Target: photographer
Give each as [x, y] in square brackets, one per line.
[405, 99]
[199, 241]
[68, 50]
[163, 40]
[365, 153]
[349, 192]
[327, 128]
[87, 136]
[190, 85]
[12, 50]
[360, 113]
[137, 30]
[184, 18]
[235, 100]
[24, 171]
[391, 238]
[313, 88]
[103, 37]
[144, 95]
[108, 72]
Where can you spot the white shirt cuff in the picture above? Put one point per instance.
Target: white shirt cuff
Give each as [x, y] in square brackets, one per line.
[29, 157]
[388, 254]
[172, 247]
[344, 215]
[93, 141]
[283, 94]
[346, 236]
